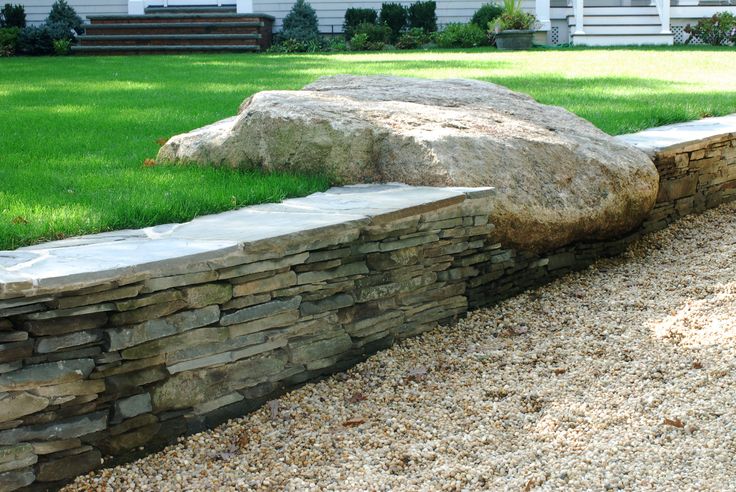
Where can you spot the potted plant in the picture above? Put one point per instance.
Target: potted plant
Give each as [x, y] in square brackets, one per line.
[514, 28]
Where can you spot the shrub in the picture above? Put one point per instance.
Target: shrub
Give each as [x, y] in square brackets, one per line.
[370, 37]
[361, 42]
[376, 33]
[513, 17]
[486, 15]
[9, 40]
[13, 16]
[64, 15]
[461, 36]
[35, 41]
[336, 43]
[61, 30]
[355, 17]
[422, 15]
[393, 15]
[301, 24]
[321, 44]
[718, 30]
[413, 39]
[62, 46]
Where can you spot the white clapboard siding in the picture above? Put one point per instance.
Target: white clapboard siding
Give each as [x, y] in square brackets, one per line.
[38, 10]
[332, 13]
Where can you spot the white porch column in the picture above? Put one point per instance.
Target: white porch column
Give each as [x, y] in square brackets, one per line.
[664, 16]
[579, 9]
[136, 7]
[244, 6]
[541, 10]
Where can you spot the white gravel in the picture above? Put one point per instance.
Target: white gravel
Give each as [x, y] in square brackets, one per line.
[564, 387]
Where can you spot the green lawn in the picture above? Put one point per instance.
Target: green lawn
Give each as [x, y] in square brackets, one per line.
[74, 132]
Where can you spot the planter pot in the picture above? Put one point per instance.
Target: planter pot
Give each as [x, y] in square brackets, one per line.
[514, 40]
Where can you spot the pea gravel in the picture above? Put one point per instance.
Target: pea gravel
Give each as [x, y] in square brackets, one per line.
[618, 377]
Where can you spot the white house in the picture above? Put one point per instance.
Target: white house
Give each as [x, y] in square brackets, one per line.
[580, 22]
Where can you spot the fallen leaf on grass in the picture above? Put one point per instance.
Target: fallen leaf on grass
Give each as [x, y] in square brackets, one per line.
[674, 423]
[161, 141]
[149, 162]
[354, 422]
[19, 220]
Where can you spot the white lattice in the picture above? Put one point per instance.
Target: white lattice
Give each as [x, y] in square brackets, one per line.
[555, 35]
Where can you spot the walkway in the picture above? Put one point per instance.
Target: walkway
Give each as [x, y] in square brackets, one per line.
[621, 376]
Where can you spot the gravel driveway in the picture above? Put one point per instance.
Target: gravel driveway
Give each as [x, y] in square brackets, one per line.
[621, 376]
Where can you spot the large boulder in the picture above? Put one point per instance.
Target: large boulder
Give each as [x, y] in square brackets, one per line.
[558, 178]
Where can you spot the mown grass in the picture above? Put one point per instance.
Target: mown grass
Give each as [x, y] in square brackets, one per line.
[74, 132]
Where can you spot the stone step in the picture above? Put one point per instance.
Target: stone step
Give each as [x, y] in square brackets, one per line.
[177, 28]
[170, 39]
[162, 49]
[176, 18]
[609, 20]
[616, 29]
[193, 9]
[619, 11]
[622, 39]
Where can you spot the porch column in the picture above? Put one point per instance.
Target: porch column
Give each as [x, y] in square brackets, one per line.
[244, 6]
[541, 10]
[579, 10]
[136, 7]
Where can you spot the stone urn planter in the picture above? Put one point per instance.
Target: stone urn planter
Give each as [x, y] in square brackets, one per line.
[514, 39]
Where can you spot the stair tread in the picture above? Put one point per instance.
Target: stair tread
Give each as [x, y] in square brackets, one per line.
[178, 16]
[154, 25]
[97, 37]
[168, 47]
[625, 34]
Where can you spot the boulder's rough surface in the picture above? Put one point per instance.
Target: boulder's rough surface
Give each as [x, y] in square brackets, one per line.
[558, 179]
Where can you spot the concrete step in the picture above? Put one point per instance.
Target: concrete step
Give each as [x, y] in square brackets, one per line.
[622, 40]
[175, 28]
[609, 20]
[165, 49]
[620, 11]
[175, 18]
[171, 40]
[620, 30]
[194, 9]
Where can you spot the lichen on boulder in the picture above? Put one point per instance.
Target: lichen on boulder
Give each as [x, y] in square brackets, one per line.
[557, 178]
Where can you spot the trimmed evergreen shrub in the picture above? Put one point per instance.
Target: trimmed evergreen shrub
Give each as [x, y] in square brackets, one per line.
[423, 15]
[9, 40]
[60, 30]
[393, 15]
[64, 15]
[13, 16]
[35, 41]
[355, 17]
[301, 24]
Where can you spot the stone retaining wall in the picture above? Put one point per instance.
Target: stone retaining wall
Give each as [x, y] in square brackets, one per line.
[121, 341]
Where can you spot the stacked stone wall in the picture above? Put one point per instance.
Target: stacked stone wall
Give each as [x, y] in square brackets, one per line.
[118, 366]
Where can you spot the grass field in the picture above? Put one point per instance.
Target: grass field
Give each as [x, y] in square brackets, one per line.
[74, 132]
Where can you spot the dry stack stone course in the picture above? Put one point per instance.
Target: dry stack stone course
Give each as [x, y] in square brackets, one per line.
[124, 341]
